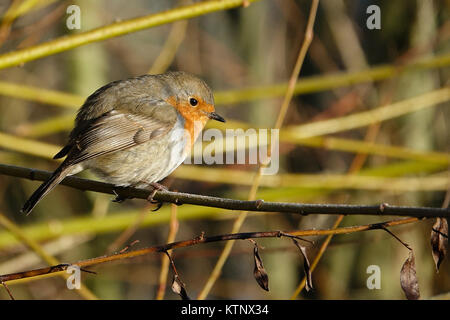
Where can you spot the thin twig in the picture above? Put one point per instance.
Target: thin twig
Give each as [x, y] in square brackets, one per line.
[397, 238]
[13, 277]
[7, 290]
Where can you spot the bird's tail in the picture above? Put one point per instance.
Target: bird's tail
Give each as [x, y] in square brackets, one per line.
[57, 176]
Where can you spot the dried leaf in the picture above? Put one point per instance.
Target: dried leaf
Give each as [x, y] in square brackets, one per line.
[178, 288]
[439, 241]
[306, 266]
[408, 278]
[259, 272]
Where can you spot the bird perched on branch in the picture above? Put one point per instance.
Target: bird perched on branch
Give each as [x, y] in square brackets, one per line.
[135, 132]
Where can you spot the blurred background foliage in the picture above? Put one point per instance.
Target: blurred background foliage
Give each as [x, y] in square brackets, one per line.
[247, 56]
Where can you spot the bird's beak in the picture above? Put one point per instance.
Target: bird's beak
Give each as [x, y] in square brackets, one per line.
[215, 116]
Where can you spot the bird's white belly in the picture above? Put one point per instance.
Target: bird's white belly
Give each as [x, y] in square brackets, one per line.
[145, 163]
[177, 149]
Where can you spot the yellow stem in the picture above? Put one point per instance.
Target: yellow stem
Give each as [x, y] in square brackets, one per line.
[229, 97]
[115, 29]
[257, 178]
[34, 246]
[173, 229]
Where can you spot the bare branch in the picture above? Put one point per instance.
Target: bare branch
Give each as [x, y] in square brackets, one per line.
[198, 240]
[230, 204]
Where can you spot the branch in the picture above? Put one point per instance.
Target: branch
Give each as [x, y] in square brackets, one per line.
[225, 203]
[198, 240]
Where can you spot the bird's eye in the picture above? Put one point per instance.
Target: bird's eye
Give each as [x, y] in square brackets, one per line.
[193, 102]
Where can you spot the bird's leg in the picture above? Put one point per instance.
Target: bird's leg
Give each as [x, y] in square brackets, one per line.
[156, 187]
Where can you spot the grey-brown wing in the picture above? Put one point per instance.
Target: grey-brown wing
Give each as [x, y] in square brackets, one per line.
[116, 131]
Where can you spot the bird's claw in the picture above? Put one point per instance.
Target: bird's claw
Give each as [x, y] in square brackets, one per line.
[159, 204]
[156, 187]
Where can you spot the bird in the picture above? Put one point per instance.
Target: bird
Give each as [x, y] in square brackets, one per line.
[134, 132]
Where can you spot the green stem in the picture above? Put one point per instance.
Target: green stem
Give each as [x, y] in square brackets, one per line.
[114, 30]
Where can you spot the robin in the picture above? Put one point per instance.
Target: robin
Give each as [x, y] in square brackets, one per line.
[134, 132]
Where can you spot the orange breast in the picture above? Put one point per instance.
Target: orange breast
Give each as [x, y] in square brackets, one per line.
[194, 118]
